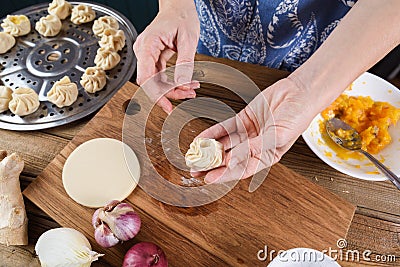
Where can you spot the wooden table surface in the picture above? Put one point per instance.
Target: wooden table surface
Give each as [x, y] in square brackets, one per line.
[375, 227]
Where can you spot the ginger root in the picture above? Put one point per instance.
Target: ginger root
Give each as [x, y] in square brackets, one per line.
[13, 219]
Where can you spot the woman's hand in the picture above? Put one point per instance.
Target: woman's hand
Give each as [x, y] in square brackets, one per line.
[176, 28]
[260, 134]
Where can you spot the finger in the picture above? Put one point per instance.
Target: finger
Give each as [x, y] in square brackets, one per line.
[163, 59]
[192, 85]
[165, 104]
[181, 94]
[231, 140]
[197, 174]
[242, 152]
[220, 130]
[186, 49]
[242, 170]
[147, 58]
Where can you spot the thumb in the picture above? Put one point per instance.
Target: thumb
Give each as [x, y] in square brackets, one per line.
[186, 49]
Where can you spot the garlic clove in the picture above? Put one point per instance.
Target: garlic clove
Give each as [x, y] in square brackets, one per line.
[123, 221]
[116, 220]
[104, 237]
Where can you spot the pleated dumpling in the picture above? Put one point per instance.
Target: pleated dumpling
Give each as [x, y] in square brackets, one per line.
[93, 80]
[204, 154]
[7, 41]
[49, 26]
[113, 39]
[60, 8]
[103, 23]
[24, 101]
[82, 14]
[106, 58]
[16, 25]
[63, 93]
[5, 98]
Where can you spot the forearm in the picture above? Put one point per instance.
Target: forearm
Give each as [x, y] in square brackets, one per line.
[365, 35]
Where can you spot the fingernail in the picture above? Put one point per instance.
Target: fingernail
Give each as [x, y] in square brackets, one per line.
[208, 180]
[233, 162]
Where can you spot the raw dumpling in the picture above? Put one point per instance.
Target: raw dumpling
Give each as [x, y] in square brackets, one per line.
[204, 154]
[24, 101]
[7, 41]
[93, 80]
[103, 23]
[82, 14]
[106, 58]
[5, 98]
[113, 39]
[16, 25]
[49, 26]
[60, 8]
[63, 93]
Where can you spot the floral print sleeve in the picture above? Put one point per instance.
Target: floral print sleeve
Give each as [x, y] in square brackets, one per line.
[276, 33]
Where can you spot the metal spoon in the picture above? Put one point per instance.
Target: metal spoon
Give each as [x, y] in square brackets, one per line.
[354, 143]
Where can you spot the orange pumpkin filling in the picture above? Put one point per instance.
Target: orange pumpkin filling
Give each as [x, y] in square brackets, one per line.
[369, 118]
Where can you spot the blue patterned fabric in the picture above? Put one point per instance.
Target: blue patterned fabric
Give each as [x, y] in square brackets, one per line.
[276, 33]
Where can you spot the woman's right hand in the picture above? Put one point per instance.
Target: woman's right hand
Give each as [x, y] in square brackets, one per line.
[175, 29]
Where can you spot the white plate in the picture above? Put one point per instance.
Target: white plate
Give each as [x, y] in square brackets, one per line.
[379, 90]
[303, 257]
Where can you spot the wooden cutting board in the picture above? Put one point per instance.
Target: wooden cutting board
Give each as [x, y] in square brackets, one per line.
[286, 211]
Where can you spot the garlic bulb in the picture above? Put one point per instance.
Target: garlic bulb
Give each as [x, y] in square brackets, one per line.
[65, 247]
[114, 223]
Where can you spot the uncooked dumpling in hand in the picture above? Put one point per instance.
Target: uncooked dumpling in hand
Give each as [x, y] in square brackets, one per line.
[7, 41]
[106, 58]
[24, 101]
[16, 25]
[103, 23]
[63, 93]
[60, 8]
[93, 80]
[49, 26]
[204, 154]
[5, 98]
[82, 14]
[113, 39]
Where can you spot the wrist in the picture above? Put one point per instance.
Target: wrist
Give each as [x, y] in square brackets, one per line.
[187, 5]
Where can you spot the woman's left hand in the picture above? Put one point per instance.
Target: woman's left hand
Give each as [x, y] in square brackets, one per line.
[259, 135]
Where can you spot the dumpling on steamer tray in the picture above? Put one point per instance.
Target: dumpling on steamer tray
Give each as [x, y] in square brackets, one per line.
[113, 39]
[63, 93]
[24, 101]
[16, 25]
[5, 97]
[82, 14]
[49, 26]
[60, 8]
[103, 23]
[93, 79]
[106, 58]
[7, 41]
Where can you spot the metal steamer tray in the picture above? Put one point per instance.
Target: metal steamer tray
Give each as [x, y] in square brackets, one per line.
[37, 62]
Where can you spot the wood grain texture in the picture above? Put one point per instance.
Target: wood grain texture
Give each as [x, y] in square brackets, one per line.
[378, 203]
[286, 211]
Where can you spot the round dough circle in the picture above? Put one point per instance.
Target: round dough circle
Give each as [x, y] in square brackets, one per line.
[101, 170]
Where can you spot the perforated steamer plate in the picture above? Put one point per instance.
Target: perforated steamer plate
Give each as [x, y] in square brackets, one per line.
[37, 62]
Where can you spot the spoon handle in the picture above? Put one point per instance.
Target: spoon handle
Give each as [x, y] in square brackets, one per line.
[389, 174]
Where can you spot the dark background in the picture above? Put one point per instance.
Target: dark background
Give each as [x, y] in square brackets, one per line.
[142, 12]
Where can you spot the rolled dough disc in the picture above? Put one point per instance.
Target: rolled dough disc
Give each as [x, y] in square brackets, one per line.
[99, 171]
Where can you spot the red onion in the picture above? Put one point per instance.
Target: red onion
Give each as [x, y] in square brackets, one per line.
[114, 223]
[145, 254]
